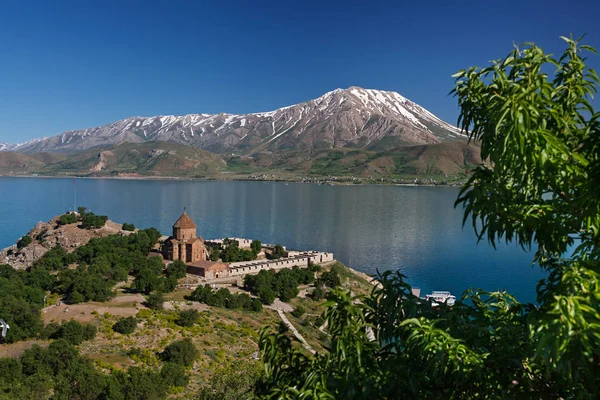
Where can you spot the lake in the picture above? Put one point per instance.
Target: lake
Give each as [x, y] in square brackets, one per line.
[412, 229]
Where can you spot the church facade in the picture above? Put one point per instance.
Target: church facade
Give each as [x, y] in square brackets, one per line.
[184, 245]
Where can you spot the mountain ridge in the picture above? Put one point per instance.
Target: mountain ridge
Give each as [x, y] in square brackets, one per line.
[352, 117]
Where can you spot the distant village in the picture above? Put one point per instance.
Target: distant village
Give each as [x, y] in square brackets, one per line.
[204, 261]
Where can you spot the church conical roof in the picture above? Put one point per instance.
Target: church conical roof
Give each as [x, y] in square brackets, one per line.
[184, 222]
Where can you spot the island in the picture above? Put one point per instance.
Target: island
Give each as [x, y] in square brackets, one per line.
[179, 313]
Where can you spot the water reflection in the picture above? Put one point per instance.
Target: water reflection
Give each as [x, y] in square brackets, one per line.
[413, 229]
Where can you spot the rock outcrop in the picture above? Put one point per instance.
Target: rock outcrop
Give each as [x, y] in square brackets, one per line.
[46, 235]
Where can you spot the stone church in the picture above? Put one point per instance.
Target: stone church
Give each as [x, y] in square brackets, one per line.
[184, 245]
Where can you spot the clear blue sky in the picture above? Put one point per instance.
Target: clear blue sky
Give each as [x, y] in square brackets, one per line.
[76, 64]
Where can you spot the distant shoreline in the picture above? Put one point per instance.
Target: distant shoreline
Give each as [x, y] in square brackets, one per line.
[317, 181]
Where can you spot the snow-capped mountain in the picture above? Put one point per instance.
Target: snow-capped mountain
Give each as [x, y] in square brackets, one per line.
[352, 117]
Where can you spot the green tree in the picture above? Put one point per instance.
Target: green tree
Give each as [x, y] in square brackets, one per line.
[177, 269]
[539, 189]
[93, 221]
[23, 318]
[215, 254]
[155, 301]
[256, 247]
[24, 242]
[67, 219]
[182, 352]
[173, 375]
[74, 332]
[125, 325]
[128, 227]
[278, 252]
[188, 317]
[330, 279]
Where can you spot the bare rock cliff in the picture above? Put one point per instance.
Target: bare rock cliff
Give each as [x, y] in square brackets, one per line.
[47, 235]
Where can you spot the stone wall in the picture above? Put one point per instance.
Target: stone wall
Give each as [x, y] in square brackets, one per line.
[294, 259]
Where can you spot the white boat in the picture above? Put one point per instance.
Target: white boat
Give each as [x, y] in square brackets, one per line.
[441, 297]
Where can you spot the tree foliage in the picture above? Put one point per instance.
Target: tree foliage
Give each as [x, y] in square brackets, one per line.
[125, 325]
[66, 219]
[224, 298]
[59, 372]
[277, 252]
[268, 284]
[128, 227]
[24, 242]
[95, 269]
[539, 189]
[232, 252]
[155, 301]
[188, 317]
[182, 352]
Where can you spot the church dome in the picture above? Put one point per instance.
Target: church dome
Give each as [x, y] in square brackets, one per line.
[184, 222]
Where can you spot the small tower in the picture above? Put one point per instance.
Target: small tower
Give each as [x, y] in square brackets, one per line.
[184, 228]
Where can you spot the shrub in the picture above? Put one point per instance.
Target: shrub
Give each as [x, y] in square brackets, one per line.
[155, 301]
[125, 326]
[50, 330]
[278, 252]
[74, 332]
[267, 295]
[174, 375]
[318, 293]
[312, 267]
[24, 242]
[330, 279]
[91, 220]
[187, 317]
[215, 254]
[256, 247]
[256, 305]
[128, 227]
[298, 312]
[182, 352]
[67, 219]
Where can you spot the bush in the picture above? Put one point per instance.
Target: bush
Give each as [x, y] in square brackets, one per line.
[278, 252]
[267, 295]
[298, 312]
[174, 375]
[177, 270]
[155, 301]
[330, 279]
[92, 221]
[188, 317]
[182, 352]
[24, 242]
[215, 254]
[312, 267]
[128, 227]
[256, 305]
[50, 330]
[125, 326]
[318, 293]
[74, 332]
[67, 219]
[256, 247]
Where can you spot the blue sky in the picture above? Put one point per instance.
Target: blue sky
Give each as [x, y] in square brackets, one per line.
[68, 65]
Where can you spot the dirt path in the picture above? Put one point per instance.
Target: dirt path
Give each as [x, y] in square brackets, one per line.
[293, 329]
[124, 306]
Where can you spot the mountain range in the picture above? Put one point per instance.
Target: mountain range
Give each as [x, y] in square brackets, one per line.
[354, 120]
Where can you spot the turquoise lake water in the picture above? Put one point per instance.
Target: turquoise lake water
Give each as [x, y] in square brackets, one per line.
[412, 229]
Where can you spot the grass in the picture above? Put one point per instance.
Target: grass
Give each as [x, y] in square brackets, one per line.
[222, 336]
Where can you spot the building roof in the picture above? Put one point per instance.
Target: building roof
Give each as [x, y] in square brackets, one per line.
[184, 222]
[209, 265]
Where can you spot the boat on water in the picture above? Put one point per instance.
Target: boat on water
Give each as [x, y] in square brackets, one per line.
[441, 297]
